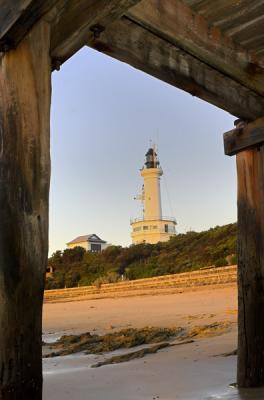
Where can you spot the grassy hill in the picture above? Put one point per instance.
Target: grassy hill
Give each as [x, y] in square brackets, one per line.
[184, 252]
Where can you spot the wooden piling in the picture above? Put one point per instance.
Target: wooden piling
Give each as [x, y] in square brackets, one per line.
[25, 88]
[250, 176]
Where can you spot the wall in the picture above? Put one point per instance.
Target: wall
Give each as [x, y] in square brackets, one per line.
[81, 244]
[159, 285]
[151, 235]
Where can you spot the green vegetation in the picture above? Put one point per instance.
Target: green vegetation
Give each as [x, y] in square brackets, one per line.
[184, 252]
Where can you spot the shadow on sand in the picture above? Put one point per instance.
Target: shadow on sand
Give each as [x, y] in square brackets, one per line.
[240, 394]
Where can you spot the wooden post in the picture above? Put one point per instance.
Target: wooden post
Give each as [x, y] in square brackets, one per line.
[25, 91]
[250, 175]
[247, 142]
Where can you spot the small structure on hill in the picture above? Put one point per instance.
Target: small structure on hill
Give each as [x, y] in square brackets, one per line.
[152, 227]
[49, 271]
[90, 242]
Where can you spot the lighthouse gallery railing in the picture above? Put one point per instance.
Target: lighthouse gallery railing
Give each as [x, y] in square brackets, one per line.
[170, 219]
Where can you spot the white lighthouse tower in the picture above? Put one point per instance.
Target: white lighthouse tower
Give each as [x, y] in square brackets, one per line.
[152, 227]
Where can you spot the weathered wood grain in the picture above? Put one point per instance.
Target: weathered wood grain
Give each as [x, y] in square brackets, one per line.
[17, 17]
[130, 43]
[10, 12]
[176, 22]
[250, 176]
[80, 19]
[72, 21]
[243, 138]
[25, 91]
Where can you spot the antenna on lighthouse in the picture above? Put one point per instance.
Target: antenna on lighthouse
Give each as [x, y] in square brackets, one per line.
[141, 198]
[155, 154]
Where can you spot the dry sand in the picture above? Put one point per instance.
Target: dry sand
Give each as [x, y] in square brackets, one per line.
[187, 372]
[162, 310]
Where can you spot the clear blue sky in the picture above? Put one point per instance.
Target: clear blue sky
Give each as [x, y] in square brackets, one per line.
[104, 114]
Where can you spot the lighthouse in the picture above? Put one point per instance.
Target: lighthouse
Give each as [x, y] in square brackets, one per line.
[151, 227]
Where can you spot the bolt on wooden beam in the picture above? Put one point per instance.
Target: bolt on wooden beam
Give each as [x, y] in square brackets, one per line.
[245, 136]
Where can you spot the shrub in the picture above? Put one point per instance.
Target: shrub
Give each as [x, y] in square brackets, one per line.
[221, 262]
[183, 252]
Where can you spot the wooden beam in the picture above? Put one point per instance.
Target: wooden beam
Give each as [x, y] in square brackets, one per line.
[244, 136]
[25, 92]
[73, 22]
[180, 25]
[17, 17]
[80, 20]
[130, 43]
[250, 177]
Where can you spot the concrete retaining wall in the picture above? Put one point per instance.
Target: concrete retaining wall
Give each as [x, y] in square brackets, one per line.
[150, 286]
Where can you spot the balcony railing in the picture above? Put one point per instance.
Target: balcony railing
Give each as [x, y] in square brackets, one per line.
[170, 219]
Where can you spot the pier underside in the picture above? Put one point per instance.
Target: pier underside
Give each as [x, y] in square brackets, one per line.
[212, 50]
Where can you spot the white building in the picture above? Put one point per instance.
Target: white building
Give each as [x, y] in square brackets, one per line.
[152, 227]
[90, 242]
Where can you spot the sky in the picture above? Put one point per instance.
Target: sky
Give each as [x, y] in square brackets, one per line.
[104, 114]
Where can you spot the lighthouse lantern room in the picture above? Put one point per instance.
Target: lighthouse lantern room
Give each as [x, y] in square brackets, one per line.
[152, 227]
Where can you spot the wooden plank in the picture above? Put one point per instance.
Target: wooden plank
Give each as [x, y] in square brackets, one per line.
[25, 92]
[80, 20]
[130, 43]
[73, 22]
[10, 13]
[17, 17]
[250, 177]
[244, 137]
[180, 25]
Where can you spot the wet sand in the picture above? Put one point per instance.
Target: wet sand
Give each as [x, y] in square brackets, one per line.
[187, 372]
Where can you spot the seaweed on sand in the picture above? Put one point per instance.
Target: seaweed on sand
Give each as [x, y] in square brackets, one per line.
[138, 354]
[126, 338]
[209, 330]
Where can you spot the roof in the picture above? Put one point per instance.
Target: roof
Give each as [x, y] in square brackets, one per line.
[87, 238]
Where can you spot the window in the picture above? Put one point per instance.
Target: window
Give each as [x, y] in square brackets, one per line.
[95, 247]
[145, 228]
[166, 228]
[138, 228]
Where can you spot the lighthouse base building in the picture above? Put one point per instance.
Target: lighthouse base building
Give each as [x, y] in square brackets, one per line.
[152, 227]
[152, 231]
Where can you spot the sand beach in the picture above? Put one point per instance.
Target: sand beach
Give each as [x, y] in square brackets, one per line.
[194, 371]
